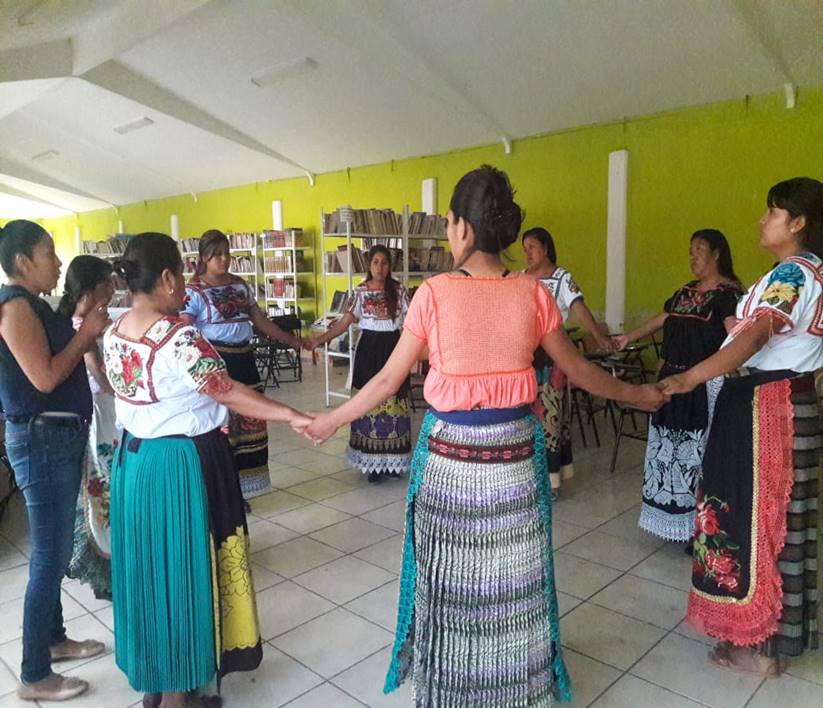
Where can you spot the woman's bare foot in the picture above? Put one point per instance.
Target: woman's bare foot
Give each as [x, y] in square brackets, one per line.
[743, 659]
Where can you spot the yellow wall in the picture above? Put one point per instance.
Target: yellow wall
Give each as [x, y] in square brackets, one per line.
[708, 166]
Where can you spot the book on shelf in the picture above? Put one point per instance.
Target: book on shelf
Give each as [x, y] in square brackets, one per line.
[241, 240]
[422, 224]
[289, 238]
[189, 245]
[113, 245]
[358, 259]
[430, 259]
[281, 287]
[189, 264]
[282, 263]
[282, 310]
[365, 221]
[242, 264]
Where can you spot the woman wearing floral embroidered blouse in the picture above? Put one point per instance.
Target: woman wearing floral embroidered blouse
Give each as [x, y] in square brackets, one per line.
[182, 589]
[694, 323]
[477, 621]
[754, 581]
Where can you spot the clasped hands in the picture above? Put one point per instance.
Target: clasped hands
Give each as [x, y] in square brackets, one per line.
[317, 427]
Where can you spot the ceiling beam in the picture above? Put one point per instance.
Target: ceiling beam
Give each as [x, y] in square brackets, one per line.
[15, 169]
[48, 60]
[122, 81]
[12, 191]
[761, 29]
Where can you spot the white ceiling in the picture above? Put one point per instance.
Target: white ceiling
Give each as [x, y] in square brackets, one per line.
[394, 78]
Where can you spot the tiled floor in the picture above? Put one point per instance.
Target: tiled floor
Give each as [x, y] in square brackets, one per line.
[326, 559]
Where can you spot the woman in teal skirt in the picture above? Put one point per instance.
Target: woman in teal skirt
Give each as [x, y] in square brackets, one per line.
[184, 604]
[477, 622]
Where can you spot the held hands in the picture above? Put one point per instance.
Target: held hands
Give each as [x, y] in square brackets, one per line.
[649, 397]
[312, 343]
[606, 344]
[299, 422]
[620, 342]
[321, 428]
[679, 383]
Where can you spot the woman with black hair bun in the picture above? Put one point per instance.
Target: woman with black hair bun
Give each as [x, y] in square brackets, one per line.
[754, 576]
[184, 603]
[553, 404]
[89, 281]
[224, 308]
[477, 618]
[380, 440]
[695, 321]
[47, 406]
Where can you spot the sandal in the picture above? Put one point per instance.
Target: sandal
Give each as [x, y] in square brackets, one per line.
[743, 660]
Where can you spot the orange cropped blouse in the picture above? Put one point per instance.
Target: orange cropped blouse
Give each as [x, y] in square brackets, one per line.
[481, 334]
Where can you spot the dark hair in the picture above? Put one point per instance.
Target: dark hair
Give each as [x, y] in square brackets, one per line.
[538, 233]
[210, 241]
[147, 256]
[802, 196]
[85, 273]
[18, 238]
[484, 197]
[391, 289]
[717, 242]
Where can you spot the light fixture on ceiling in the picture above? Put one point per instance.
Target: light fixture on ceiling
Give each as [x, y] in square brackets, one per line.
[133, 125]
[47, 155]
[284, 70]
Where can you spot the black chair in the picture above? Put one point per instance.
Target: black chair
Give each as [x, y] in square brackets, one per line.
[275, 357]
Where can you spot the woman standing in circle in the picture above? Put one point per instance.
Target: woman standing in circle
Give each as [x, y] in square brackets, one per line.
[754, 580]
[380, 440]
[477, 619]
[184, 603]
[88, 281]
[224, 308]
[47, 406]
[553, 405]
[694, 321]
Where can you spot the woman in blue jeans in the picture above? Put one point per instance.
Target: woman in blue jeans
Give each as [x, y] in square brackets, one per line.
[47, 405]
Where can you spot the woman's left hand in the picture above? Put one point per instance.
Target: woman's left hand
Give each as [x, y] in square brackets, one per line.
[299, 422]
[321, 428]
[677, 384]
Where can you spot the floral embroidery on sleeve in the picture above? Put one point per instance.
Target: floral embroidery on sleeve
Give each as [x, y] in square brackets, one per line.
[125, 369]
[203, 364]
[784, 287]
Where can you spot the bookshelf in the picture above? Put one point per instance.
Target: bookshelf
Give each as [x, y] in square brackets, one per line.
[417, 242]
[109, 249]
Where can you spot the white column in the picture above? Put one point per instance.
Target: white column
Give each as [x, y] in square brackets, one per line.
[429, 195]
[78, 241]
[616, 240]
[175, 227]
[120, 226]
[277, 215]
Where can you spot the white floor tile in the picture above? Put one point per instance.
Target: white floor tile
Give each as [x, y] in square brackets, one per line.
[645, 600]
[379, 606]
[365, 681]
[334, 642]
[604, 635]
[325, 696]
[579, 577]
[344, 579]
[285, 606]
[563, 533]
[264, 578]
[352, 535]
[680, 665]
[358, 501]
[787, 691]
[108, 686]
[613, 551]
[265, 534]
[320, 488]
[392, 516]
[589, 678]
[809, 667]
[632, 692]
[11, 612]
[83, 593]
[277, 680]
[12, 701]
[669, 566]
[286, 476]
[566, 603]
[10, 556]
[295, 557]
[310, 518]
[13, 582]
[274, 503]
[387, 554]
[8, 680]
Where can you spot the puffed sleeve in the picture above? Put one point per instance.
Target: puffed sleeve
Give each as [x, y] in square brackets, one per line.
[783, 297]
[548, 316]
[420, 315]
[194, 305]
[198, 364]
[568, 291]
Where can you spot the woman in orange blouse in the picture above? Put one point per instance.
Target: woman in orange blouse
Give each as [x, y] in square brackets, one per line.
[477, 619]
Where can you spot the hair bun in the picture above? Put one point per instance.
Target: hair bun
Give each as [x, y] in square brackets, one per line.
[126, 269]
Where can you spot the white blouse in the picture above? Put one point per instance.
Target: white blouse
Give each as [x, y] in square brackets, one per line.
[563, 287]
[793, 293]
[161, 380]
[369, 309]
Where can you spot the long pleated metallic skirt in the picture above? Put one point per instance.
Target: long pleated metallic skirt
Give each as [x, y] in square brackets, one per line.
[477, 618]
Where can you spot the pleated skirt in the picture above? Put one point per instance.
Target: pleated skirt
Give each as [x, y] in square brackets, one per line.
[184, 605]
[477, 617]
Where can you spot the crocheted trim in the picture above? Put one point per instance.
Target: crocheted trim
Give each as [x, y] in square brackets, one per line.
[669, 527]
[754, 618]
[408, 576]
[381, 464]
[541, 477]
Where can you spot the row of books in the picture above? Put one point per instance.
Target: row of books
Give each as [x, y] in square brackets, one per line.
[434, 259]
[342, 261]
[284, 309]
[282, 263]
[280, 287]
[282, 239]
[242, 239]
[189, 245]
[426, 224]
[364, 221]
[112, 245]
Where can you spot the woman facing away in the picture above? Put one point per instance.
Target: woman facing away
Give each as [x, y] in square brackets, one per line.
[695, 321]
[553, 405]
[47, 405]
[380, 440]
[224, 308]
[184, 603]
[754, 581]
[89, 280]
[477, 618]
